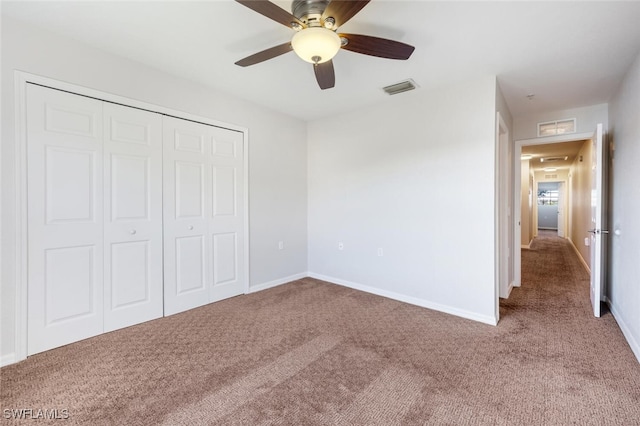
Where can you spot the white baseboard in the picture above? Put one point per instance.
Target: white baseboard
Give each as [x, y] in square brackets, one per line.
[633, 343]
[275, 283]
[526, 246]
[408, 299]
[584, 263]
[511, 285]
[7, 359]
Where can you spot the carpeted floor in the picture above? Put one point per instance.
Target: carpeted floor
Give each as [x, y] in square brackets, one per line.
[313, 353]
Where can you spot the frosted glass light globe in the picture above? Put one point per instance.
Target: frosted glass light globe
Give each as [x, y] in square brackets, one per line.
[316, 45]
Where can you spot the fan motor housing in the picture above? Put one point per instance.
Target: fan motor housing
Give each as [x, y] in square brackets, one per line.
[306, 10]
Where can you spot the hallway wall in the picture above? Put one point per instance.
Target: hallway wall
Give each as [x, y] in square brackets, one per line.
[526, 204]
[581, 201]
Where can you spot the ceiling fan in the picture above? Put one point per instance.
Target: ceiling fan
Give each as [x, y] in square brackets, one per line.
[316, 40]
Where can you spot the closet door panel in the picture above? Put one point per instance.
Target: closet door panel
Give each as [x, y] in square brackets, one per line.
[187, 201]
[130, 187]
[226, 219]
[225, 190]
[65, 218]
[189, 190]
[133, 216]
[191, 265]
[69, 185]
[225, 258]
[130, 280]
[69, 284]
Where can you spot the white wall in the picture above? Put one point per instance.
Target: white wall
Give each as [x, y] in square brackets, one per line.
[526, 127]
[581, 201]
[277, 150]
[624, 268]
[415, 177]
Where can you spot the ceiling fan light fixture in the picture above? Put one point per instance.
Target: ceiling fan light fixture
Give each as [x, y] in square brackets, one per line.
[316, 45]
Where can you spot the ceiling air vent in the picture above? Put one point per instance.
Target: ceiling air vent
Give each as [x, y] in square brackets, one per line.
[552, 159]
[403, 86]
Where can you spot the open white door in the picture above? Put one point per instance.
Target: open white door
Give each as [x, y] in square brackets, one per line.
[597, 219]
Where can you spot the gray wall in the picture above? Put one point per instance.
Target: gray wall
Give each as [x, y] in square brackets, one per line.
[372, 185]
[624, 266]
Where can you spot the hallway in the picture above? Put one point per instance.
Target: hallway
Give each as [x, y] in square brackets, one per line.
[589, 372]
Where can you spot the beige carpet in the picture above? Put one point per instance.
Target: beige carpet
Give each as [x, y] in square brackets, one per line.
[313, 353]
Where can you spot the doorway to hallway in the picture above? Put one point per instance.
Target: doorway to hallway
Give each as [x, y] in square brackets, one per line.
[552, 178]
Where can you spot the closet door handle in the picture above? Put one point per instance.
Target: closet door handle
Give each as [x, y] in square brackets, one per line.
[132, 232]
[190, 227]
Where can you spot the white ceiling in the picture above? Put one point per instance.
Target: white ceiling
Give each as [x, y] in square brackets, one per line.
[568, 54]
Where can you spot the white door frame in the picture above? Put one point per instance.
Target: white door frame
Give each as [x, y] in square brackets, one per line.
[598, 248]
[517, 153]
[504, 203]
[562, 207]
[21, 79]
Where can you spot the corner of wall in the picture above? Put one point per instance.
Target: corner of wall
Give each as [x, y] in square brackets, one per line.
[447, 309]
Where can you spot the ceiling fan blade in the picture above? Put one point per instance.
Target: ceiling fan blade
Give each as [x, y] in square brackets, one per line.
[376, 46]
[272, 11]
[325, 75]
[343, 10]
[270, 53]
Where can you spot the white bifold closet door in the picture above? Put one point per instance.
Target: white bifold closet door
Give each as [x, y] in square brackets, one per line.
[94, 178]
[203, 214]
[132, 216]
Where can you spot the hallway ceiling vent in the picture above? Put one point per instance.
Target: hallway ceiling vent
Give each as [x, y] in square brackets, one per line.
[550, 176]
[552, 159]
[403, 86]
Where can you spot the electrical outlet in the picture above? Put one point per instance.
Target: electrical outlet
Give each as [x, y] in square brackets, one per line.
[340, 246]
[280, 245]
[380, 252]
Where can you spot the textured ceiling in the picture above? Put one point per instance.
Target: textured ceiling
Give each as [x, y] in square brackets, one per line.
[568, 54]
